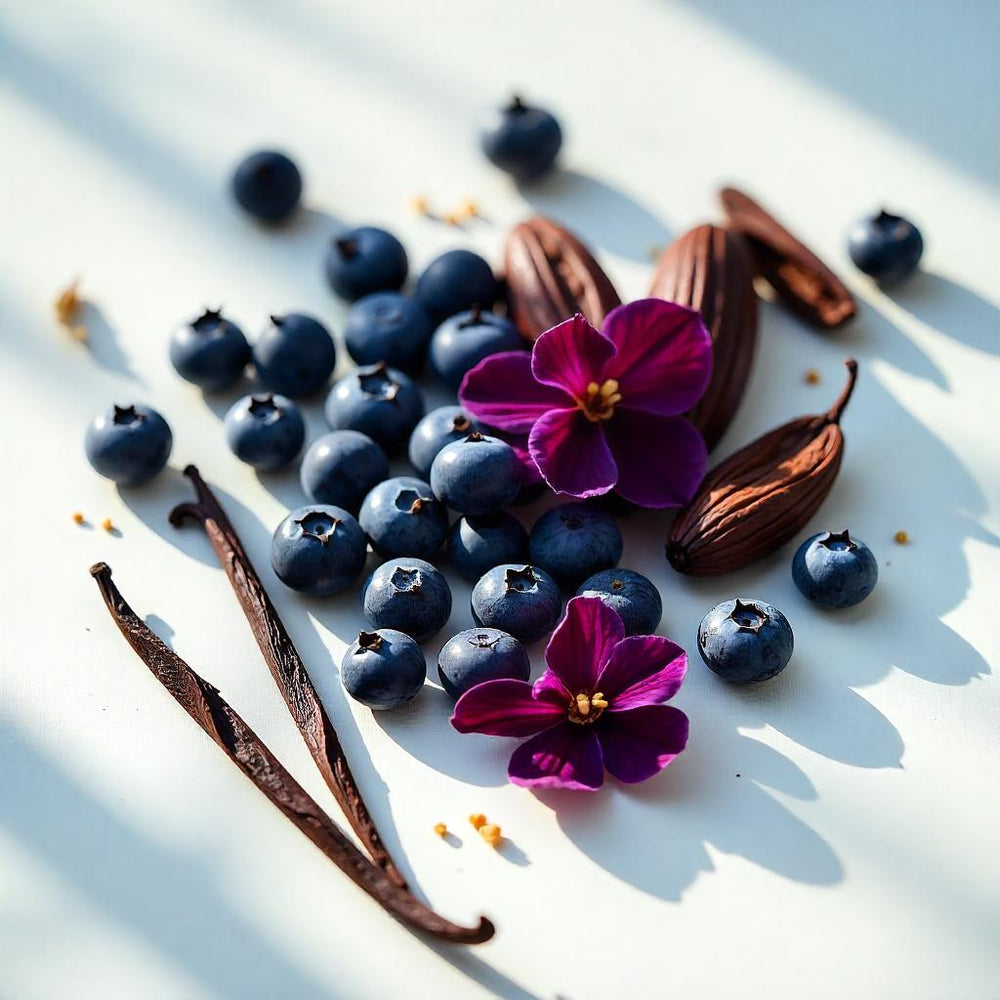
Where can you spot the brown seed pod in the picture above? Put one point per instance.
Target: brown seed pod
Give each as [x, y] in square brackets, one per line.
[551, 276]
[759, 498]
[710, 269]
[801, 280]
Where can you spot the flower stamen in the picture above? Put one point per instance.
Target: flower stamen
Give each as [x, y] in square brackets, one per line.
[586, 708]
[600, 400]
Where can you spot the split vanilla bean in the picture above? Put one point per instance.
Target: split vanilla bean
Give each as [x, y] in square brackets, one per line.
[286, 666]
[203, 702]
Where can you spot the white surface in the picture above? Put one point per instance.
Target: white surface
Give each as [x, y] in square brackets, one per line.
[832, 834]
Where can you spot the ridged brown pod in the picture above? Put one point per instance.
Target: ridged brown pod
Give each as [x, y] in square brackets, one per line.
[551, 276]
[759, 498]
[710, 269]
[800, 279]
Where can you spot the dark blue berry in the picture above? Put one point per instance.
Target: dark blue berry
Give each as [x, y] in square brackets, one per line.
[477, 475]
[454, 282]
[521, 140]
[887, 247]
[479, 543]
[128, 444]
[210, 351]
[632, 595]
[574, 541]
[365, 260]
[402, 517]
[463, 340]
[295, 355]
[383, 669]
[265, 431]
[481, 654]
[341, 468]
[318, 550]
[522, 600]
[410, 595]
[381, 402]
[389, 327]
[268, 185]
[834, 570]
[438, 428]
[745, 641]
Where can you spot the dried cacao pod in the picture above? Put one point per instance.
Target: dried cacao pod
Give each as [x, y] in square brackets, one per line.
[551, 276]
[710, 269]
[762, 496]
[800, 279]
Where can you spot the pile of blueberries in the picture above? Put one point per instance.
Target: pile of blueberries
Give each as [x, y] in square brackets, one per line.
[377, 411]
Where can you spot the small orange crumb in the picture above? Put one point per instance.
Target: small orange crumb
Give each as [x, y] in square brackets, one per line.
[451, 219]
[469, 209]
[812, 377]
[67, 306]
[901, 538]
[107, 525]
[440, 829]
[478, 820]
[419, 204]
[491, 833]
[78, 517]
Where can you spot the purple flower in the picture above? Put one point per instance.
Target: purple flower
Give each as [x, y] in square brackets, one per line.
[598, 411]
[597, 706]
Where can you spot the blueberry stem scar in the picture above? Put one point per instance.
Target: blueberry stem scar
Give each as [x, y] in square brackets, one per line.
[203, 702]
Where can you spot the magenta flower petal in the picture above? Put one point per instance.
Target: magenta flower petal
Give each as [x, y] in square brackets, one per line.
[565, 756]
[664, 356]
[570, 356]
[582, 643]
[502, 392]
[661, 460]
[642, 670]
[572, 454]
[641, 742]
[506, 708]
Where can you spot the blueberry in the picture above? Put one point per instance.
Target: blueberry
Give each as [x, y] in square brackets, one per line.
[745, 641]
[381, 402]
[341, 468]
[409, 595]
[887, 247]
[481, 654]
[128, 444]
[365, 260]
[463, 340]
[522, 600]
[521, 140]
[574, 541]
[454, 282]
[835, 570]
[402, 517]
[383, 669]
[318, 550]
[477, 475]
[210, 351]
[268, 185]
[389, 327]
[632, 595]
[295, 355]
[438, 428]
[265, 431]
[477, 544]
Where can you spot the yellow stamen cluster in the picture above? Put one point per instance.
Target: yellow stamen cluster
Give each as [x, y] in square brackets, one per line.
[586, 708]
[600, 401]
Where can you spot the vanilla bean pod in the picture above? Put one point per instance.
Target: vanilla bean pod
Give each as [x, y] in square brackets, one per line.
[286, 666]
[203, 702]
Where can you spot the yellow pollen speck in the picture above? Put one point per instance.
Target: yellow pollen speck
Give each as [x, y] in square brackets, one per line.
[583, 704]
[478, 820]
[610, 388]
[451, 219]
[598, 700]
[78, 517]
[67, 307]
[901, 538]
[491, 833]
[419, 204]
[440, 829]
[469, 208]
[107, 525]
[812, 377]
[592, 389]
